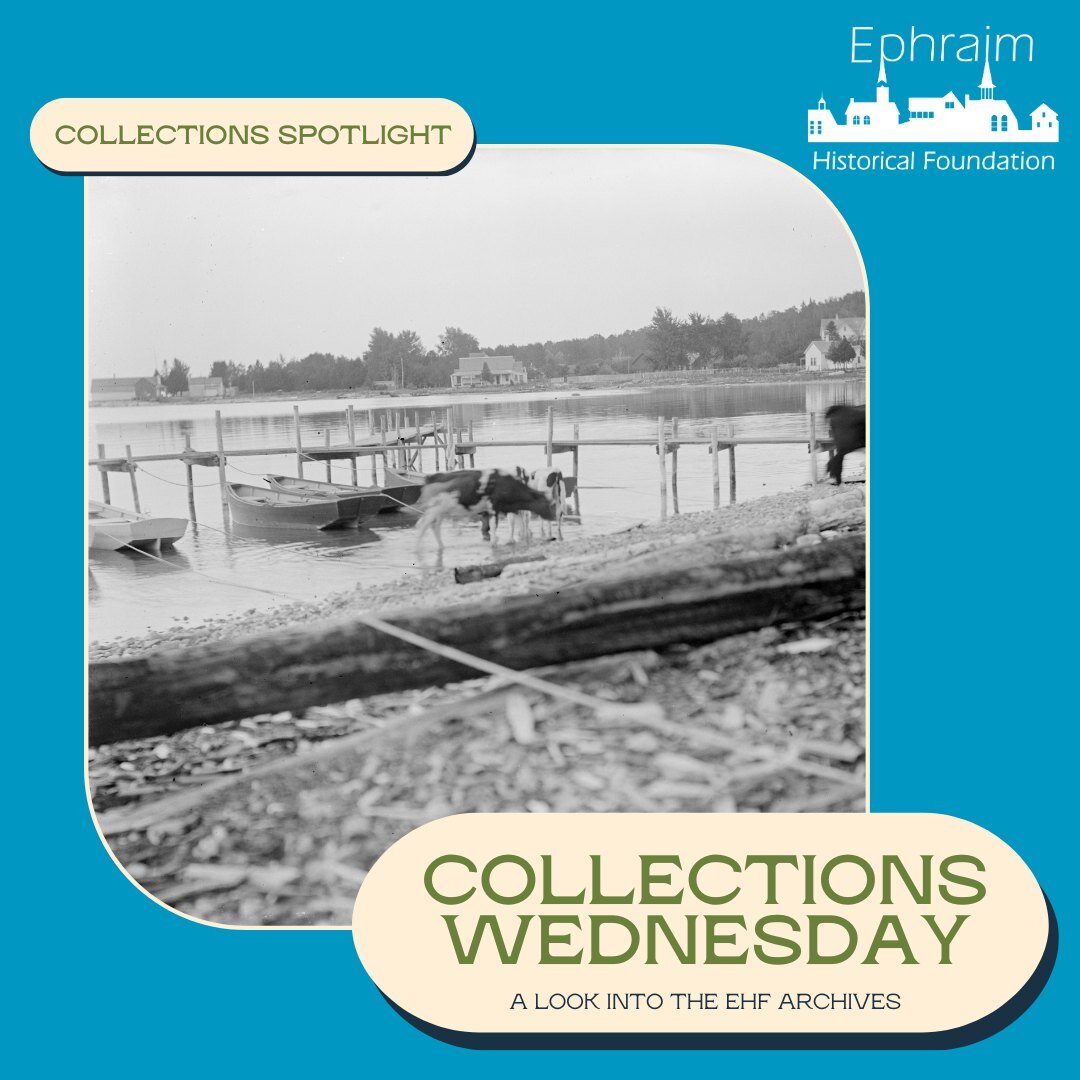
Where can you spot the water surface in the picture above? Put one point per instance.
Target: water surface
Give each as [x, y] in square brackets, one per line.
[130, 593]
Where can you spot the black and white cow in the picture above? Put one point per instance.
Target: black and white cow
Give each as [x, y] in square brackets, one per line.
[553, 484]
[847, 427]
[484, 494]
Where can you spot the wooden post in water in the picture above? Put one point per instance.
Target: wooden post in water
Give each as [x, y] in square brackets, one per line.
[382, 440]
[221, 467]
[675, 464]
[813, 449]
[419, 462]
[134, 484]
[472, 443]
[731, 464]
[329, 473]
[190, 482]
[661, 453]
[350, 425]
[104, 475]
[714, 449]
[574, 459]
[299, 442]
[550, 433]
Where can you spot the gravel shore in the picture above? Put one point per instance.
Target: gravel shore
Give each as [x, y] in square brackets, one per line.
[275, 819]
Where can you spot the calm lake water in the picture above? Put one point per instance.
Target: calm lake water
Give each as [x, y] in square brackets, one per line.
[130, 593]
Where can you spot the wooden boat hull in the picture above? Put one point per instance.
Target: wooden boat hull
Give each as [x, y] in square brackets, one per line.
[264, 508]
[403, 487]
[112, 528]
[372, 499]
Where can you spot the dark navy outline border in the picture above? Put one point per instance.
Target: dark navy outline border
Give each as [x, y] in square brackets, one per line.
[974, 1032]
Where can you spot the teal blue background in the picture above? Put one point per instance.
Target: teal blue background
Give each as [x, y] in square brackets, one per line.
[973, 589]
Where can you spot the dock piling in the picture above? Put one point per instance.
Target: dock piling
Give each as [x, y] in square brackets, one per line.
[472, 443]
[574, 466]
[190, 481]
[661, 452]
[221, 467]
[731, 464]
[299, 442]
[329, 464]
[350, 427]
[813, 449]
[714, 449]
[675, 464]
[550, 433]
[104, 475]
[134, 483]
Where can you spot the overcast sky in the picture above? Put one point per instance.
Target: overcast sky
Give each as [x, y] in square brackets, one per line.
[521, 245]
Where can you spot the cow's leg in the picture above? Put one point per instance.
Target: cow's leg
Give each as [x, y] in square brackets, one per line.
[436, 528]
[422, 527]
[835, 468]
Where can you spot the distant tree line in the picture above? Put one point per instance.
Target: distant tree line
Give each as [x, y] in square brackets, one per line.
[669, 342]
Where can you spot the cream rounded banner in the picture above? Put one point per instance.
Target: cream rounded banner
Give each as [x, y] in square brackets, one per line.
[825, 924]
[252, 135]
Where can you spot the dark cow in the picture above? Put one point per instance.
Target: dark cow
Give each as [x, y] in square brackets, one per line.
[847, 426]
[475, 493]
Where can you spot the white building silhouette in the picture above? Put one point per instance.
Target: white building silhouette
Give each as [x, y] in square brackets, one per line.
[931, 119]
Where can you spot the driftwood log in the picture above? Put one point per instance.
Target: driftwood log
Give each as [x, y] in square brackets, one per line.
[701, 595]
[464, 575]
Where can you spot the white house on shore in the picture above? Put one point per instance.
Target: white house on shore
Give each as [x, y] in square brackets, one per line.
[847, 328]
[504, 371]
[985, 119]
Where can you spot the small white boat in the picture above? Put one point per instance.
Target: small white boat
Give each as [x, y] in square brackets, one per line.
[113, 528]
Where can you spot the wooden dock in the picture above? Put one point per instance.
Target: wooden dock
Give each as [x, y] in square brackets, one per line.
[401, 440]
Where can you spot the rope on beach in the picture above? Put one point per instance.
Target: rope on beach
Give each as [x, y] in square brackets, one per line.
[448, 652]
[209, 577]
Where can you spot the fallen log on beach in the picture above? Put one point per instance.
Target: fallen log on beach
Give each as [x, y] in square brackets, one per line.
[700, 595]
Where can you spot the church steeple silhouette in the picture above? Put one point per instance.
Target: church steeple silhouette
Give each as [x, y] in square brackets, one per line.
[986, 87]
[882, 82]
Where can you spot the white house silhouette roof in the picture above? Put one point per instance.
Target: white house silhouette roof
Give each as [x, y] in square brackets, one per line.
[1044, 110]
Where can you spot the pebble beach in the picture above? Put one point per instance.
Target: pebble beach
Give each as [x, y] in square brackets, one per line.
[274, 820]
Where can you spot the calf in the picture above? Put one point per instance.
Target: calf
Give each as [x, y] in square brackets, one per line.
[551, 482]
[475, 493]
[847, 426]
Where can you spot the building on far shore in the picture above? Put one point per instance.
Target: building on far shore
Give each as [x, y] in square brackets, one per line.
[211, 387]
[504, 371]
[816, 356]
[138, 389]
[852, 327]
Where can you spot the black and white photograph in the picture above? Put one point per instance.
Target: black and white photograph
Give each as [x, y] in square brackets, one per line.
[540, 487]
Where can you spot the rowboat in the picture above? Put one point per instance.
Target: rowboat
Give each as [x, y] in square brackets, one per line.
[268, 509]
[112, 528]
[403, 486]
[371, 499]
